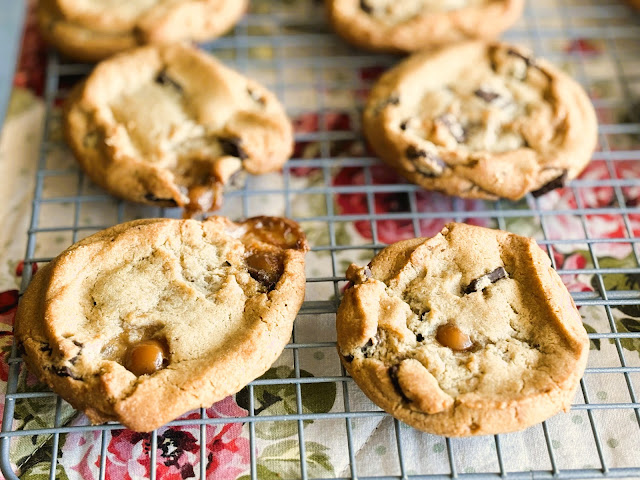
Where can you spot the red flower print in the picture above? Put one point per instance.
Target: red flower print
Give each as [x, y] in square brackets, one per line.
[30, 71]
[393, 230]
[178, 450]
[20, 268]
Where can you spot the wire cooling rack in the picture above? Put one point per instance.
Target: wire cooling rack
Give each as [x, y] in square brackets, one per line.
[288, 46]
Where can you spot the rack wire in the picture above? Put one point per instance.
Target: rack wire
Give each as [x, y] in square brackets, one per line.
[289, 47]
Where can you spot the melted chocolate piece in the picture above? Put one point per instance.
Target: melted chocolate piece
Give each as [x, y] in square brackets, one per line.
[404, 124]
[163, 79]
[150, 197]
[64, 372]
[226, 264]
[365, 7]
[455, 128]
[78, 344]
[348, 358]
[232, 146]
[419, 337]
[557, 182]
[45, 347]
[486, 95]
[492, 277]
[393, 375]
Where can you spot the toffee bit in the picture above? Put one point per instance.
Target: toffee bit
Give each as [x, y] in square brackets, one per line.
[484, 281]
[393, 375]
[557, 182]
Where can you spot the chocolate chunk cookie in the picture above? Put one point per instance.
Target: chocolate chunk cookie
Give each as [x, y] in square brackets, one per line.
[93, 30]
[481, 120]
[146, 320]
[408, 25]
[470, 332]
[169, 125]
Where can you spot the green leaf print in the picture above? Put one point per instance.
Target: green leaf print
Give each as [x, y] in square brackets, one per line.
[595, 342]
[41, 471]
[619, 281]
[630, 325]
[283, 458]
[281, 400]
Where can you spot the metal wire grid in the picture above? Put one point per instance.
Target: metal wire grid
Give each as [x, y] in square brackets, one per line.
[317, 50]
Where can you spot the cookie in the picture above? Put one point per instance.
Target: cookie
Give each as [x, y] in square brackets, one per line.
[481, 120]
[77, 42]
[170, 125]
[409, 25]
[156, 21]
[470, 332]
[149, 319]
[94, 30]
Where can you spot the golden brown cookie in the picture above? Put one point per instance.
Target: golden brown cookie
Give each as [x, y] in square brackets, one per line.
[409, 25]
[481, 120]
[470, 332]
[92, 30]
[149, 319]
[169, 125]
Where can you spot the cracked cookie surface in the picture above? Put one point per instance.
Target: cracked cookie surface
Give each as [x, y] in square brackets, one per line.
[169, 126]
[149, 319]
[408, 25]
[470, 332]
[93, 30]
[481, 120]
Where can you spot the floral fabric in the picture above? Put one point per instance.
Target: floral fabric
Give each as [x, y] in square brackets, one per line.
[327, 179]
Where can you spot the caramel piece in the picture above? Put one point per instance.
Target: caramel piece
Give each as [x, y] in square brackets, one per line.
[203, 198]
[454, 338]
[265, 267]
[146, 357]
[275, 231]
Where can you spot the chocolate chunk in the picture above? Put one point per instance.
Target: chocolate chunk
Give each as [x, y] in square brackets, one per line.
[150, 197]
[486, 95]
[256, 97]
[557, 182]
[529, 61]
[348, 358]
[365, 7]
[404, 124]
[232, 146]
[74, 360]
[45, 347]
[77, 343]
[419, 337]
[226, 264]
[367, 272]
[64, 372]
[455, 128]
[485, 280]
[367, 345]
[163, 79]
[393, 375]
[412, 153]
